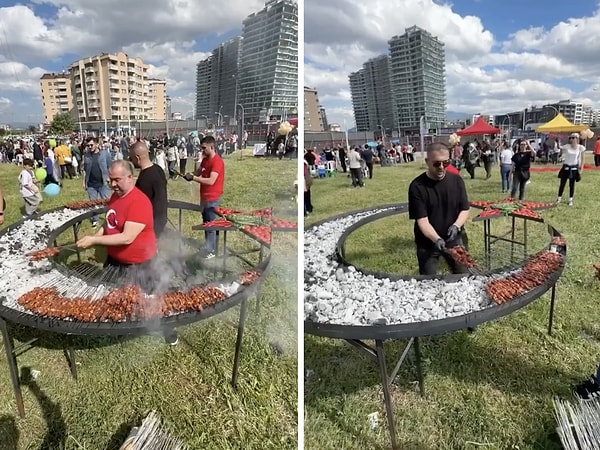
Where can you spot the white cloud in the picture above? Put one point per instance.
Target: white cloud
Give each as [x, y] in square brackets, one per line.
[163, 33]
[533, 66]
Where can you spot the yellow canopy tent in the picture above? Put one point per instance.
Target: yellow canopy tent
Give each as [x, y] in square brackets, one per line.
[559, 124]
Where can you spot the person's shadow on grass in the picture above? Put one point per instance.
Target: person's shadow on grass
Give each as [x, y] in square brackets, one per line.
[56, 434]
[9, 433]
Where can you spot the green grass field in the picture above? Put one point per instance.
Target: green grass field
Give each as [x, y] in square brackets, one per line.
[489, 389]
[121, 380]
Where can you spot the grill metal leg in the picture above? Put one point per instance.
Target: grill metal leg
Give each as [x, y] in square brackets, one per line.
[224, 252]
[238, 343]
[12, 367]
[387, 398]
[70, 353]
[551, 316]
[419, 367]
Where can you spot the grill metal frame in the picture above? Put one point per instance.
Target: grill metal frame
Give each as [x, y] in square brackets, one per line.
[356, 335]
[125, 328]
[419, 329]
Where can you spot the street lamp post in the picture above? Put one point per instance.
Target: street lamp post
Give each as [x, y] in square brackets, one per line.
[506, 116]
[550, 106]
[382, 131]
[129, 92]
[240, 129]
[235, 101]
[220, 117]
[168, 99]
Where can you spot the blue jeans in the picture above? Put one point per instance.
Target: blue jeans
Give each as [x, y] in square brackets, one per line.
[209, 214]
[96, 193]
[505, 175]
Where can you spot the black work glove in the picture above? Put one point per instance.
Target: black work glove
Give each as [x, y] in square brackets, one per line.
[440, 245]
[188, 176]
[453, 233]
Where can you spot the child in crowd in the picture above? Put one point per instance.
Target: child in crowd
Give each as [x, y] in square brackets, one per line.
[29, 190]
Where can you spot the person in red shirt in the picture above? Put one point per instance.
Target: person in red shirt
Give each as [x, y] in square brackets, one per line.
[597, 152]
[452, 169]
[128, 232]
[211, 176]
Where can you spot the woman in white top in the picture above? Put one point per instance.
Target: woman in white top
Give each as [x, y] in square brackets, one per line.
[354, 163]
[572, 154]
[506, 164]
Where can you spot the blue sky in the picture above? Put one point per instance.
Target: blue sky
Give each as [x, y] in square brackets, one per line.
[500, 55]
[47, 35]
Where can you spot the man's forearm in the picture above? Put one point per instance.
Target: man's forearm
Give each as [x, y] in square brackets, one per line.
[428, 230]
[462, 218]
[202, 180]
[113, 239]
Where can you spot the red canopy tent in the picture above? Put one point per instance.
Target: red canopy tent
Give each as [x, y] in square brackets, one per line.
[478, 128]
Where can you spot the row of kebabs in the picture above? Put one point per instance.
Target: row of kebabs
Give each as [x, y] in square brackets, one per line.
[536, 271]
[125, 304]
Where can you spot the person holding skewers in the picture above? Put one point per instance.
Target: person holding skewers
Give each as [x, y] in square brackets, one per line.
[210, 176]
[438, 203]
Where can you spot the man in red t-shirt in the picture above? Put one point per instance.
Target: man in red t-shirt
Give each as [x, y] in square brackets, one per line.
[211, 176]
[128, 232]
[597, 152]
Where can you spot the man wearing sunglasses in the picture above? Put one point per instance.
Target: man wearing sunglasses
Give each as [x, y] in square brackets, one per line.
[96, 162]
[438, 203]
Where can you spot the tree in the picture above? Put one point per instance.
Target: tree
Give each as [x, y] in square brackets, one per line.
[62, 123]
[32, 129]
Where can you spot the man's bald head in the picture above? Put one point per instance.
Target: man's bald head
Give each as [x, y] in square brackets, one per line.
[140, 155]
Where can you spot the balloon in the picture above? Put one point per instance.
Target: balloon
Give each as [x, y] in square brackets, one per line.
[285, 127]
[52, 190]
[41, 174]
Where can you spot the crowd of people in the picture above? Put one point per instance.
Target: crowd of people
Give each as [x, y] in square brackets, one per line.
[514, 161]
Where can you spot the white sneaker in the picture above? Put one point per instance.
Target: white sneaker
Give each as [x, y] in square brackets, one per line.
[558, 199]
[570, 202]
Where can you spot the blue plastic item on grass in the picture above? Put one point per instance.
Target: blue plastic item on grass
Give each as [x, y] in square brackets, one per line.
[52, 190]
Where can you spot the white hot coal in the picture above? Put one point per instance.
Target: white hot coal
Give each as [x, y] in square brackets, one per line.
[336, 294]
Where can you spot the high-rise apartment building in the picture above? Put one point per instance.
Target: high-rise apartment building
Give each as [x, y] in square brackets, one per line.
[313, 120]
[116, 87]
[360, 102]
[379, 92]
[258, 71]
[323, 115]
[418, 78]
[216, 82]
[371, 93]
[156, 101]
[56, 94]
[268, 70]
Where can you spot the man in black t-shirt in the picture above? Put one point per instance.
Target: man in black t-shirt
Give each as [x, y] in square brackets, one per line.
[367, 156]
[152, 181]
[437, 202]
